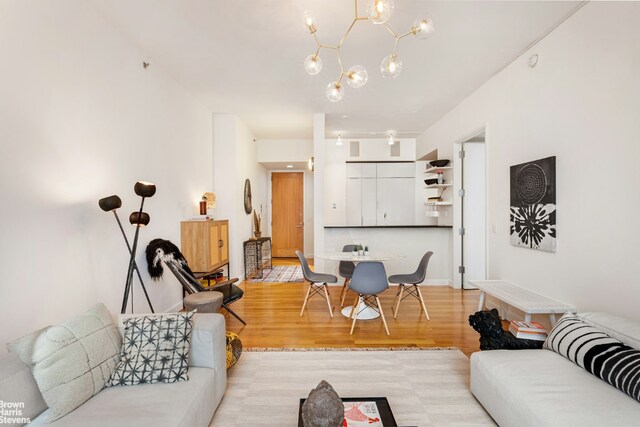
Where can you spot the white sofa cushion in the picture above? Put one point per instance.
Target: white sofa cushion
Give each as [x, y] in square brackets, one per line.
[73, 360]
[541, 388]
[617, 327]
[182, 404]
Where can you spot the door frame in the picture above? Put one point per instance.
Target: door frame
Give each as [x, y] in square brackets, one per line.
[457, 243]
[304, 201]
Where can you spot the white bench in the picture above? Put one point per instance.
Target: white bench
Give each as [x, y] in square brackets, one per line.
[520, 298]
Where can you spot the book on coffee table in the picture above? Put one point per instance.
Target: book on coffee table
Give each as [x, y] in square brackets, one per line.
[363, 411]
[361, 414]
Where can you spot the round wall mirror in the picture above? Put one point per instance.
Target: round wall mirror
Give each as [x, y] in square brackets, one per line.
[247, 196]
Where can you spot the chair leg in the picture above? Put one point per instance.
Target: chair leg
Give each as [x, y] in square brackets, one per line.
[326, 293]
[399, 297]
[384, 321]
[231, 312]
[304, 304]
[356, 307]
[424, 307]
[345, 288]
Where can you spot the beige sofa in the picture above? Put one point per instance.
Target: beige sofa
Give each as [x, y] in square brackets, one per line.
[190, 403]
[542, 388]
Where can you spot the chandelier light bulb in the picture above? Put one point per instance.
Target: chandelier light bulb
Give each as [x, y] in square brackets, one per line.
[339, 140]
[423, 28]
[357, 76]
[379, 11]
[313, 64]
[335, 91]
[310, 23]
[391, 66]
[391, 141]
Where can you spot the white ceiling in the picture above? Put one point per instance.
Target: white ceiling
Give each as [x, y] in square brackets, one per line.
[245, 57]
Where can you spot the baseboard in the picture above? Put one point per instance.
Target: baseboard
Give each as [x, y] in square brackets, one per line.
[428, 282]
[174, 308]
[431, 282]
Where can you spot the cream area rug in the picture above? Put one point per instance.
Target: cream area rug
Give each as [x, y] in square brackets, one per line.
[281, 274]
[423, 387]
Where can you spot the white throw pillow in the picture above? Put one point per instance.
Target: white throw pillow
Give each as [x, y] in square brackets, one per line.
[72, 361]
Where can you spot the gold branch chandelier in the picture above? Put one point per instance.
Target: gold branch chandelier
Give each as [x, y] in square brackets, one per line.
[378, 12]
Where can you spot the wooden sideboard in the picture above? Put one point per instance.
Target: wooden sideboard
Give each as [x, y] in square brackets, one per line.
[205, 244]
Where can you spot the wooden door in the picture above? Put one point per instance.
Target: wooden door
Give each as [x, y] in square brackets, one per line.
[287, 224]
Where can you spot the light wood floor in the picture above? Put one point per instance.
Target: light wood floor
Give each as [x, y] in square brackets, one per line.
[272, 313]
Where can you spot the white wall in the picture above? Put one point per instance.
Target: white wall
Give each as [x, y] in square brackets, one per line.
[234, 161]
[581, 103]
[284, 150]
[80, 119]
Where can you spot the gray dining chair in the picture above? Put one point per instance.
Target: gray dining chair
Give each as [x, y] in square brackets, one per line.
[413, 280]
[368, 280]
[345, 269]
[317, 283]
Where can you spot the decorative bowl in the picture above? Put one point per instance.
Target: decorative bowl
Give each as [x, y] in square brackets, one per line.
[431, 181]
[439, 163]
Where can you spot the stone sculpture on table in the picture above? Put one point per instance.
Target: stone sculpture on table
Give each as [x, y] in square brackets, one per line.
[323, 407]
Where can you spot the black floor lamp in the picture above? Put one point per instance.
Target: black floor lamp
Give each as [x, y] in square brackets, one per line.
[139, 219]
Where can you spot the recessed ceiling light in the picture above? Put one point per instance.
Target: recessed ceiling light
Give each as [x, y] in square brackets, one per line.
[344, 116]
[289, 166]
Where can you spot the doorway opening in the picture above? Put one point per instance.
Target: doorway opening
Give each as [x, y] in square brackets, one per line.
[287, 214]
[469, 218]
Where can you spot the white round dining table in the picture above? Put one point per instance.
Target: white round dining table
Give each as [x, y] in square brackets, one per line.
[366, 313]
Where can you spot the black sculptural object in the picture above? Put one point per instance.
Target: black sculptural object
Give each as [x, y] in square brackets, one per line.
[493, 337]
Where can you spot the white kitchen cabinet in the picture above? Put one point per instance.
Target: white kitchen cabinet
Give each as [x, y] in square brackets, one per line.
[354, 170]
[361, 201]
[396, 170]
[369, 201]
[361, 170]
[380, 194]
[369, 170]
[395, 201]
[354, 201]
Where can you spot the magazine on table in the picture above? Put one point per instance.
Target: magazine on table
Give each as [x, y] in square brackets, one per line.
[361, 414]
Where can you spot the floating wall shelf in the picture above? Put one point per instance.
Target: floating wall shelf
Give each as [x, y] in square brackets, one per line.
[435, 170]
[438, 185]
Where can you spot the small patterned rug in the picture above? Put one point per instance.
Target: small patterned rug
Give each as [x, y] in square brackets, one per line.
[282, 274]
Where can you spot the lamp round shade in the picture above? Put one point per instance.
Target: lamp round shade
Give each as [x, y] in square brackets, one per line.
[139, 218]
[110, 203]
[144, 189]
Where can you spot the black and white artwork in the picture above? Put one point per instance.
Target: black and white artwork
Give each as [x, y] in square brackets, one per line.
[533, 205]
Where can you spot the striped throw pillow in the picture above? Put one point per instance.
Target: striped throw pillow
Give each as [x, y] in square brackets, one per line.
[596, 352]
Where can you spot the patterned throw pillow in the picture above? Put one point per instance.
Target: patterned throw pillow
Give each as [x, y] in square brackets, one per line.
[596, 352]
[155, 349]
